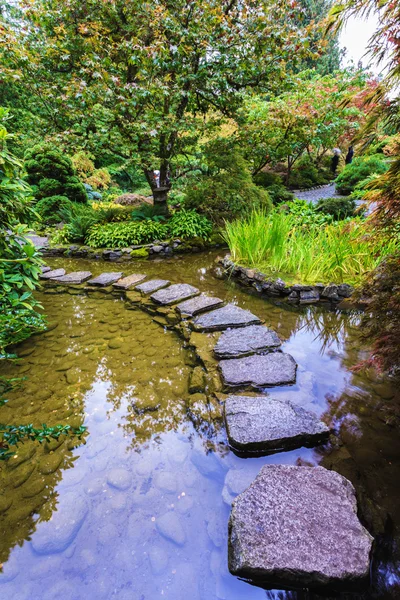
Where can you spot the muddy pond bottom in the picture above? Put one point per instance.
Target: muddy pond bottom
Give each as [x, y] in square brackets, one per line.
[138, 509]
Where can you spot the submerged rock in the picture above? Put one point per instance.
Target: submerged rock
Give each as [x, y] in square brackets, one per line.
[222, 318]
[276, 368]
[249, 340]
[298, 526]
[263, 424]
[152, 286]
[198, 305]
[171, 528]
[105, 279]
[174, 293]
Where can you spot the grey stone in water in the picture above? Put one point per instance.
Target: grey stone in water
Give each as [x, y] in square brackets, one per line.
[105, 279]
[222, 318]
[258, 371]
[249, 340]
[58, 533]
[309, 297]
[171, 528]
[127, 282]
[345, 290]
[76, 277]
[152, 286]
[330, 292]
[174, 293]
[45, 269]
[198, 305]
[262, 424]
[53, 273]
[298, 526]
[120, 479]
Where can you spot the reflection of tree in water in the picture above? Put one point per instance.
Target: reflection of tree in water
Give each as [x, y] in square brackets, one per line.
[145, 372]
[366, 416]
[327, 326]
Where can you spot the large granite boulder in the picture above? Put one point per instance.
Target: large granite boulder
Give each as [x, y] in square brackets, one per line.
[222, 318]
[254, 372]
[298, 527]
[235, 343]
[262, 424]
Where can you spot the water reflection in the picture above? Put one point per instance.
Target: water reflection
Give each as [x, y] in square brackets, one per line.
[150, 490]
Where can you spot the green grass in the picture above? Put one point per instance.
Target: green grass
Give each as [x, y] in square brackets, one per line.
[279, 245]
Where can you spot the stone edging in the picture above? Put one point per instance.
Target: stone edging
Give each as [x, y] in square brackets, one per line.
[156, 249]
[338, 295]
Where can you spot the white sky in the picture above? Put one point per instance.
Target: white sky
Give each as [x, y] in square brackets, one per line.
[354, 37]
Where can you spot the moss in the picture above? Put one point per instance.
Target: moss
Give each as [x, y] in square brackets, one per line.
[140, 253]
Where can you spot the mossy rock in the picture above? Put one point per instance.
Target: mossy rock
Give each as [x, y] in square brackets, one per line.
[140, 253]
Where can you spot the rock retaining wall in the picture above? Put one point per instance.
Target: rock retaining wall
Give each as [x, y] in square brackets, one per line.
[336, 294]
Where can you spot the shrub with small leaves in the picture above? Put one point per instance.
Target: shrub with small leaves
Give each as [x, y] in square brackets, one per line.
[189, 224]
[121, 235]
[339, 208]
[51, 208]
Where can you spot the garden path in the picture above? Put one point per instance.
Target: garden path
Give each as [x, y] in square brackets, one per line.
[313, 195]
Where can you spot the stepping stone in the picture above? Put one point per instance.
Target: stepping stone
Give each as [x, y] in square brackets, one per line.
[105, 279]
[127, 282]
[75, 277]
[258, 371]
[52, 274]
[45, 269]
[262, 424]
[198, 305]
[298, 526]
[222, 318]
[152, 286]
[174, 293]
[242, 342]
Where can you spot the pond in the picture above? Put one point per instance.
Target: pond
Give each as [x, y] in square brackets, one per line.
[138, 510]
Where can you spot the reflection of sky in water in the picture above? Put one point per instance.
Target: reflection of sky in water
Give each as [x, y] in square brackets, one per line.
[142, 517]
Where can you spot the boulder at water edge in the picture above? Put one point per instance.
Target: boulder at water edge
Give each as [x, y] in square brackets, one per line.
[298, 527]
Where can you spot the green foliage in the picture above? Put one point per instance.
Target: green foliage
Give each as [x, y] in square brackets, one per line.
[227, 191]
[279, 194]
[60, 237]
[189, 224]
[359, 170]
[52, 174]
[278, 244]
[267, 178]
[122, 235]
[79, 219]
[139, 253]
[339, 208]
[147, 212]
[51, 208]
[306, 214]
[305, 174]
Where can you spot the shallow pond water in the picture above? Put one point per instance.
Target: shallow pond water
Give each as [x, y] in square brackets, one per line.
[138, 510]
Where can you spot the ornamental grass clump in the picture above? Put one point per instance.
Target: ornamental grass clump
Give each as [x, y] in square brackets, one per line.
[278, 244]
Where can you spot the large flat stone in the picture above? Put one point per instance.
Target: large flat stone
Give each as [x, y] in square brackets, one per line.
[258, 371]
[45, 269]
[261, 424]
[53, 273]
[197, 305]
[222, 318]
[127, 282]
[105, 279]
[152, 286]
[75, 277]
[248, 340]
[174, 293]
[298, 526]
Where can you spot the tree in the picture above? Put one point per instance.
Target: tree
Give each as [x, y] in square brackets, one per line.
[141, 76]
[316, 114]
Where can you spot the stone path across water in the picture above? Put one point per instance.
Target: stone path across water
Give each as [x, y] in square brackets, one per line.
[294, 525]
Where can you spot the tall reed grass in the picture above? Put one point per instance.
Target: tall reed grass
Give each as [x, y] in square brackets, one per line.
[278, 244]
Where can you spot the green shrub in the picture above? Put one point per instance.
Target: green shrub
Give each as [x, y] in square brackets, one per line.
[60, 237]
[267, 178]
[121, 235]
[361, 168]
[305, 174]
[51, 173]
[51, 208]
[279, 194]
[189, 224]
[306, 214]
[227, 191]
[339, 208]
[79, 218]
[147, 212]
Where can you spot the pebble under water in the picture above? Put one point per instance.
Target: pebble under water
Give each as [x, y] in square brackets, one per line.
[138, 509]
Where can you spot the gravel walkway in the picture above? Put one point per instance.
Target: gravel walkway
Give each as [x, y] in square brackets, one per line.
[325, 191]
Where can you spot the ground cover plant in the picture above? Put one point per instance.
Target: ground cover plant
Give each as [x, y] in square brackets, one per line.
[280, 244]
[361, 168]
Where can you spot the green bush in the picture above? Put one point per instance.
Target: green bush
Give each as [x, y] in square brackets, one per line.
[121, 235]
[339, 208]
[305, 174]
[189, 224]
[306, 215]
[51, 173]
[147, 212]
[79, 218]
[267, 178]
[227, 191]
[358, 170]
[51, 208]
[279, 194]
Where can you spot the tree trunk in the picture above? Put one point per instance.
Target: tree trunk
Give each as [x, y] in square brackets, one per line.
[160, 195]
[289, 169]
